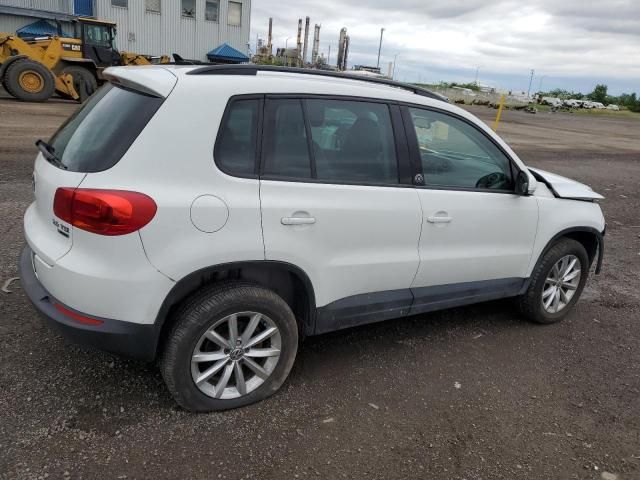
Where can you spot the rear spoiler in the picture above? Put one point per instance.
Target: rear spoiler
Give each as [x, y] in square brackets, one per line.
[151, 80]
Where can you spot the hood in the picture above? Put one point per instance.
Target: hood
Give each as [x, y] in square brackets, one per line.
[565, 187]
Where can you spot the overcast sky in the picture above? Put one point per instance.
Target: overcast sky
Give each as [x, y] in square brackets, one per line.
[571, 44]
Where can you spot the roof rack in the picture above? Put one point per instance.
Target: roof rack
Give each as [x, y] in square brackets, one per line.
[249, 69]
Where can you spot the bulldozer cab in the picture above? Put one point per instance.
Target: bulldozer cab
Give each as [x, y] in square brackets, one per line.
[97, 41]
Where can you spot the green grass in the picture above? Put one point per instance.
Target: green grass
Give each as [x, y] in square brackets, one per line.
[610, 113]
[594, 112]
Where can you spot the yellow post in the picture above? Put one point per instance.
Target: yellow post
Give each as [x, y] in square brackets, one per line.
[500, 107]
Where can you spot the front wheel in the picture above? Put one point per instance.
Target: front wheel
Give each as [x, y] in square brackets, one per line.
[232, 345]
[556, 282]
[29, 81]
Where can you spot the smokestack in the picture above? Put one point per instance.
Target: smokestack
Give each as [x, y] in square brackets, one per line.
[316, 44]
[341, 42]
[346, 52]
[269, 37]
[299, 39]
[306, 41]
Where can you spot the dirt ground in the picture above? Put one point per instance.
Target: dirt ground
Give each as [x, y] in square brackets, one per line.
[468, 393]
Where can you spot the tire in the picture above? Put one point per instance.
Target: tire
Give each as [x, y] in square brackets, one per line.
[531, 303]
[29, 81]
[214, 305]
[84, 81]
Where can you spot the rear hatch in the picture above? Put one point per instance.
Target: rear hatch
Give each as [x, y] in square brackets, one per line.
[92, 140]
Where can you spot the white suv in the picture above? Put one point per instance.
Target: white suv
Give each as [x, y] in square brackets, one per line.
[212, 216]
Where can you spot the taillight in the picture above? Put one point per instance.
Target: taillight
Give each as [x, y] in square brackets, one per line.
[105, 212]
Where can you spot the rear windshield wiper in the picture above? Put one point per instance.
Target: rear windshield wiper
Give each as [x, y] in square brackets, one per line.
[47, 152]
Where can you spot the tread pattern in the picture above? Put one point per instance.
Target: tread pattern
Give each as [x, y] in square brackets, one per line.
[191, 314]
[86, 87]
[529, 302]
[15, 91]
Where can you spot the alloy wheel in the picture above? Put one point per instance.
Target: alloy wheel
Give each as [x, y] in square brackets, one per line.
[561, 284]
[236, 355]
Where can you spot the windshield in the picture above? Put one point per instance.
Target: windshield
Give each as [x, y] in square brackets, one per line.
[95, 137]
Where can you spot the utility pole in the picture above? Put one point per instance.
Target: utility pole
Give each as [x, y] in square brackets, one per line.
[477, 73]
[380, 47]
[530, 82]
[329, 55]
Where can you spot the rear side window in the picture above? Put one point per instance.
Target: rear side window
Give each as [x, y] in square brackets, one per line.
[352, 141]
[236, 148]
[287, 148]
[97, 136]
[336, 141]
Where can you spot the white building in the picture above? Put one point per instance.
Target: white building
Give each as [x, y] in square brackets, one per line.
[190, 28]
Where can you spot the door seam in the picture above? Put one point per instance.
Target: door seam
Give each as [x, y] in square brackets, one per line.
[419, 242]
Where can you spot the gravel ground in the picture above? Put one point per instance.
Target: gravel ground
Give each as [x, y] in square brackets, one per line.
[468, 393]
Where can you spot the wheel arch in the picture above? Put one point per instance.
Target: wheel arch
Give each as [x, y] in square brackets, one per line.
[590, 238]
[287, 280]
[9, 61]
[88, 65]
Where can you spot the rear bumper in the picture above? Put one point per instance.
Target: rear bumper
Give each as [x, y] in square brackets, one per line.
[124, 338]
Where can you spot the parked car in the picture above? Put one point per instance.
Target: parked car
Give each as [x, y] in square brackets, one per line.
[613, 106]
[214, 231]
[571, 103]
[591, 105]
[552, 101]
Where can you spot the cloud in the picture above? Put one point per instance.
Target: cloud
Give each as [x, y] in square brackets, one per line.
[565, 40]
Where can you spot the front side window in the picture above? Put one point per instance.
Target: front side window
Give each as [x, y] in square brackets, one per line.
[236, 148]
[188, 8]
[352, 141]
[211, 8]
[235, 14]
[456, 154]
[98, 35]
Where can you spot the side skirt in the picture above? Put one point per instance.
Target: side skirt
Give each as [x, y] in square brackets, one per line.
[378, 306]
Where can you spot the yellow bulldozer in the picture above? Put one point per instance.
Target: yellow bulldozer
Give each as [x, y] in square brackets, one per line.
[33, 69]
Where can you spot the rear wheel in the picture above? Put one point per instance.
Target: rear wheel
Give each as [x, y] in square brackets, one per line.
[232, 345]
[29, 81]
[84, 81]
[556, 282]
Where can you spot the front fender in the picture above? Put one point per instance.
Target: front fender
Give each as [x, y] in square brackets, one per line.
[8, 62]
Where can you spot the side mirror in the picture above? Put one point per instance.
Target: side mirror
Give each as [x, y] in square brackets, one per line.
[522, 183]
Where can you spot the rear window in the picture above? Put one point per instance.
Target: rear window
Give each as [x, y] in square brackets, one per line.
[96, 137]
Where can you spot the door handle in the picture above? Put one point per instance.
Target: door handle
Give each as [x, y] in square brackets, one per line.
[297, 220]
[438, 219]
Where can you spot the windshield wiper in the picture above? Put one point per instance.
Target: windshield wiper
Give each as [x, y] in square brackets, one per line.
[47, 152]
